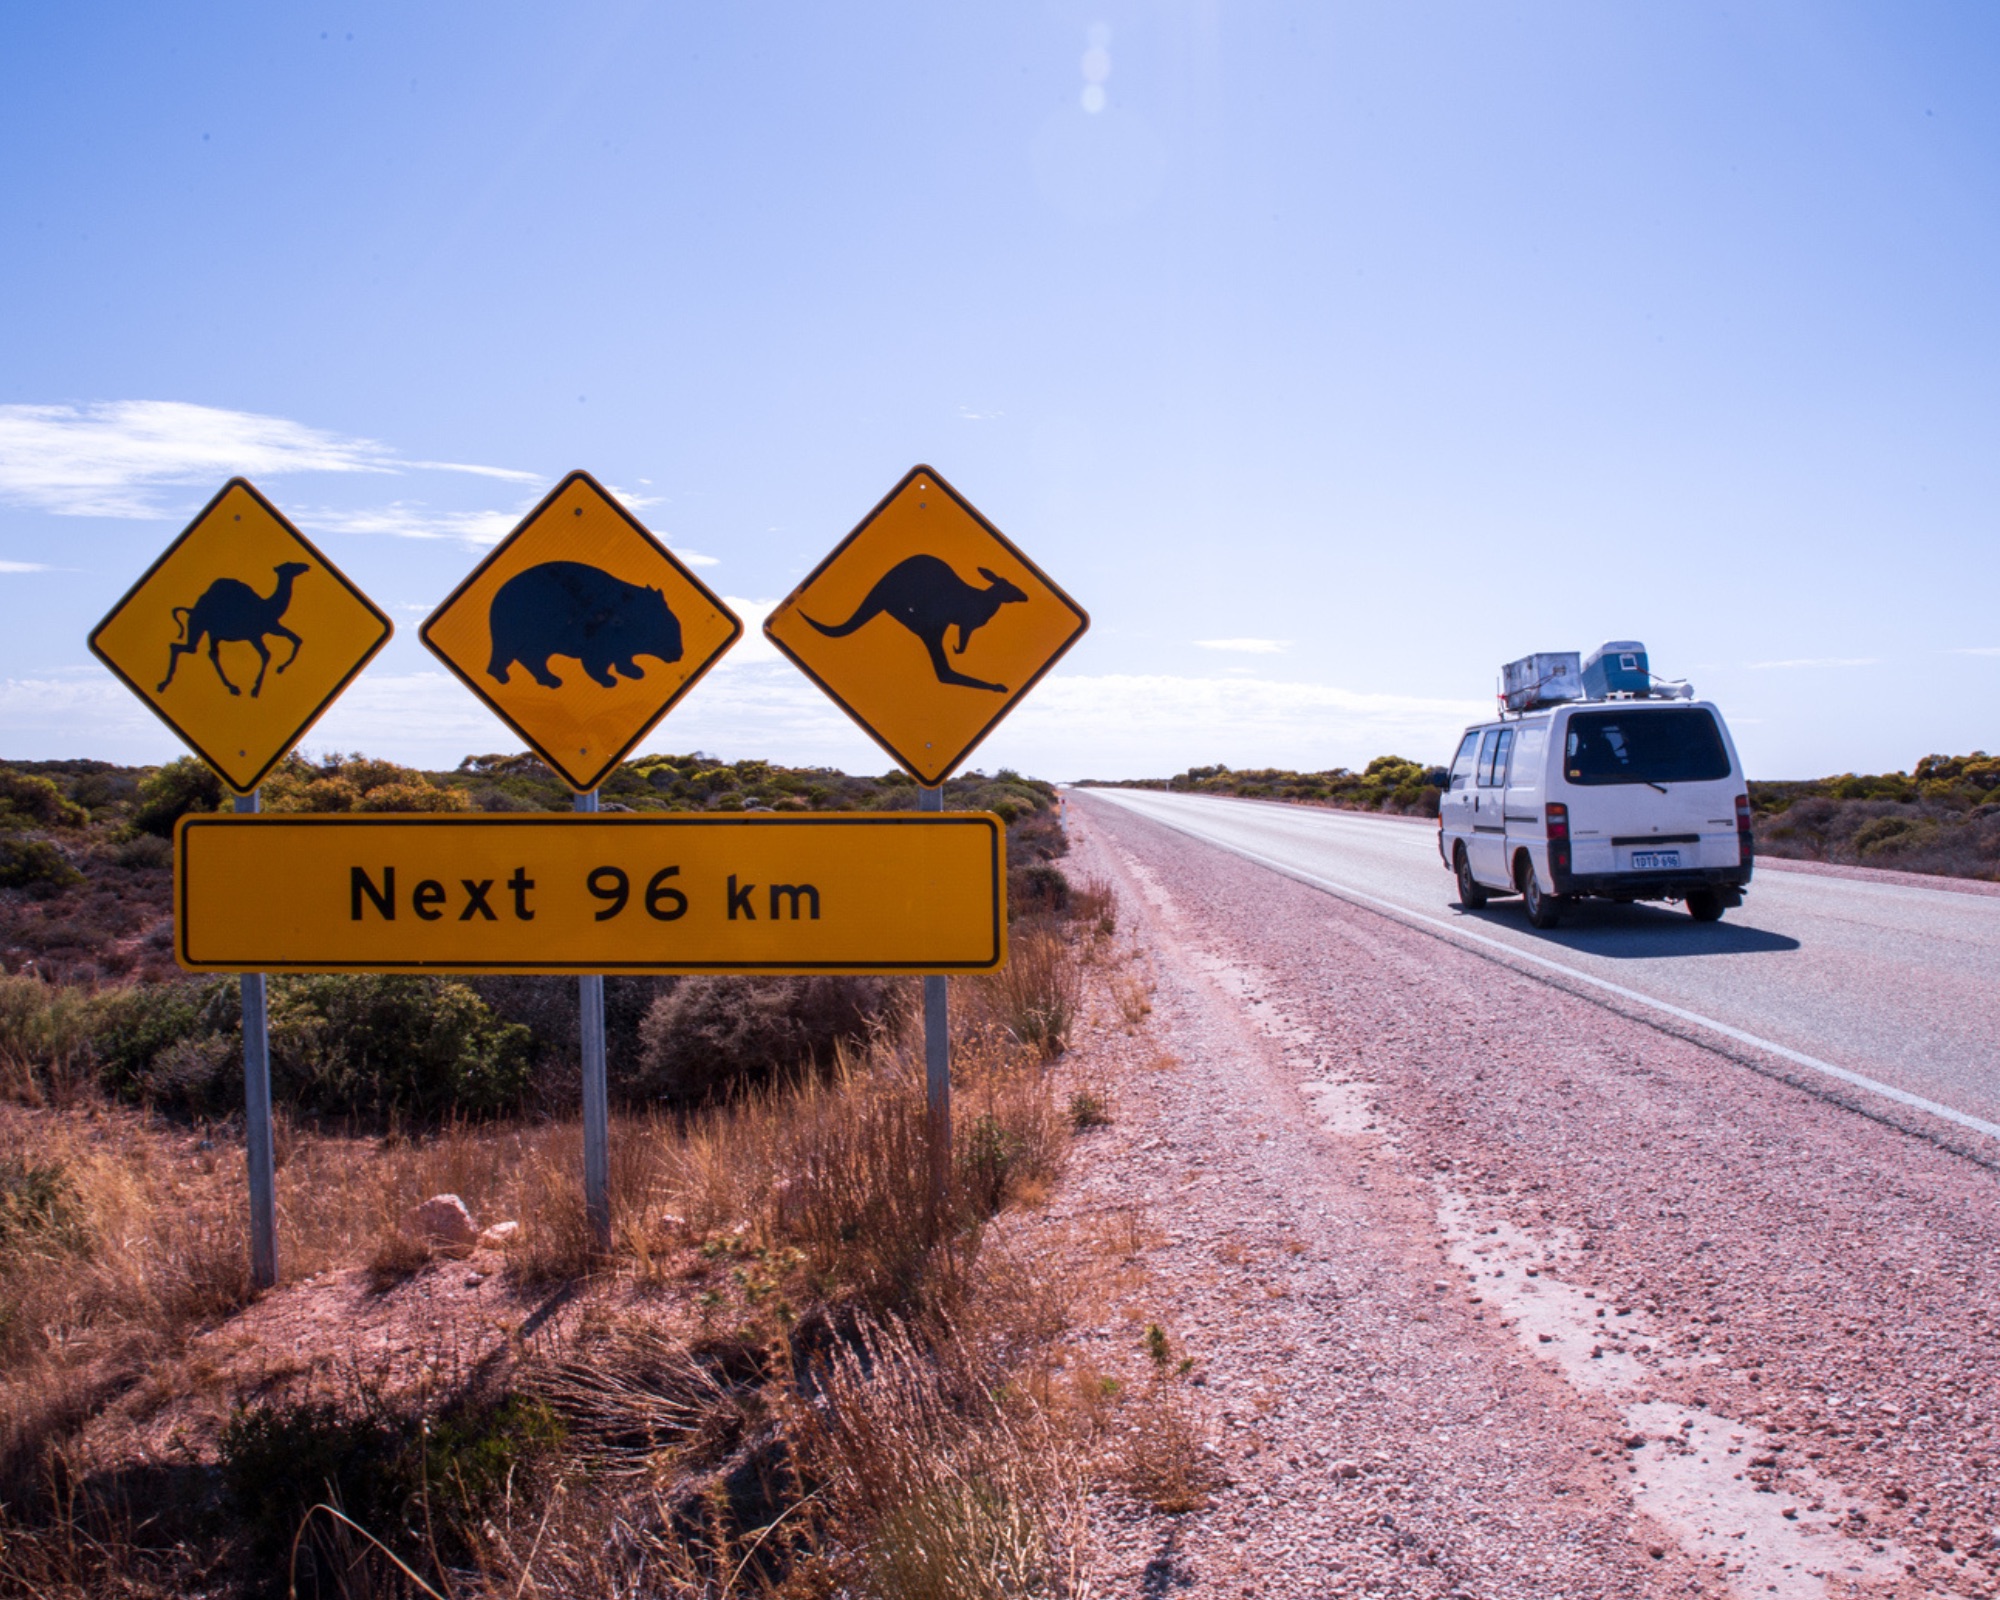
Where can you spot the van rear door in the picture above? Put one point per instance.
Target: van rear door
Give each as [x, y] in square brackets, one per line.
[1654, 789]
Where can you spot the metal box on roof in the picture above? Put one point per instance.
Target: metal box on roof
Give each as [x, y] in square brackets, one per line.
[1616, 667]
[1541, 680]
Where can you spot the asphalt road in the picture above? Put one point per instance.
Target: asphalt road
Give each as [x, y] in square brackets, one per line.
[1893, 989]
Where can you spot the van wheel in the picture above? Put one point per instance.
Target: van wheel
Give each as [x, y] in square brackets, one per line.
[1544, 910]
[1471, 894]
[1705, 905]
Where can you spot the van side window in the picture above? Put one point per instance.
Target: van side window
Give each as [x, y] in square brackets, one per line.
[1462, 763]
[1493, 757]
[1529, 744]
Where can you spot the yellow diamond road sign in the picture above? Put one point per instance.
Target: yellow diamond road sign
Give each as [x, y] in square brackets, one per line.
[240, 635]
[580, 631]
[926, 625]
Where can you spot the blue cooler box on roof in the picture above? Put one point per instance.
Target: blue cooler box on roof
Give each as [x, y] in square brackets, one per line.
[1616, 668]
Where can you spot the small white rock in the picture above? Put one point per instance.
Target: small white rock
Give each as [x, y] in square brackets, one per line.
[499, 1236]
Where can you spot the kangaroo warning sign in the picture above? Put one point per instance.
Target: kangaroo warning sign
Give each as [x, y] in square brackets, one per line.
[677, 892]
[240, 635]
[926, 625]
[580, 631]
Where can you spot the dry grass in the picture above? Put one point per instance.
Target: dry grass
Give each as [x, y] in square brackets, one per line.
[140, 1242]
[1038, 996]
[1093, 906]
[947, 1490]
[852, 1336]
[1162, 1454]
[45, 1056]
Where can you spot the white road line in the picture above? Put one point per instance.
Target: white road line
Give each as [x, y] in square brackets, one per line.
[1681, 1013]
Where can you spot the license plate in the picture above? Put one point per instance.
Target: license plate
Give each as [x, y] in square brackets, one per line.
[1655, 860]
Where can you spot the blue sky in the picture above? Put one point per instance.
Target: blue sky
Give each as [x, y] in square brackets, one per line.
[1337, 355]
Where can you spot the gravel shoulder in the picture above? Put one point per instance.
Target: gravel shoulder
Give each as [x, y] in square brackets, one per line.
[1495, 1291]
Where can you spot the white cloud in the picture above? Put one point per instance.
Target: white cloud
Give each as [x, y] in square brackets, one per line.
[1248, 647]
[1976, 650]
[22, 566]
[412, 519]
[113, 458]
[406, 520]
[1816, 661]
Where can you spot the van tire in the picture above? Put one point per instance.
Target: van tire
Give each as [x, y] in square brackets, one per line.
[1705, 905]
[1471, 893]
[1544, 910]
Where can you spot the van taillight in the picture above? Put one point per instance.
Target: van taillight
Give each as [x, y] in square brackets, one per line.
[1557, 815]
[1746, 843]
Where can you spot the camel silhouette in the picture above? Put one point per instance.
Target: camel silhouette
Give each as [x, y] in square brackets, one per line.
[230, 612]
[928, 598]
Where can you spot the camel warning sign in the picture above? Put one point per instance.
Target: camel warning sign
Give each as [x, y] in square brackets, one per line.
[580, 631]
[926, 625]
[240, 635]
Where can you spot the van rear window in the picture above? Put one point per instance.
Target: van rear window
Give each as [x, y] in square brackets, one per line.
[1666, 746]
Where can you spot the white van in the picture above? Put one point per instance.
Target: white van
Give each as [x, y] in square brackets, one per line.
[1623, 799]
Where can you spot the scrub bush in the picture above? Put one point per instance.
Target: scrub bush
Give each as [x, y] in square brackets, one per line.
[34, 865]
[27, 801]
[132, 1028]
[167, 795]
[359, 1044]
[364, 1044]
[711, 1039]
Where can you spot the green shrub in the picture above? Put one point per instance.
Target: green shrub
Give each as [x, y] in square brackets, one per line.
[279, 1461]
[377, 1045]
[393, 1474]
[131, 1027]
[34, 865]
[36, 802]
[359, 1044]
[712, 1038]
[1037, 890]
[469, 1454]
[172, 792]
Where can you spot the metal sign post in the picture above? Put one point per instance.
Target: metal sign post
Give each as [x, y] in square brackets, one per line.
[937, 1057]
[238, 637]
[596, 1094]
[258, 1149]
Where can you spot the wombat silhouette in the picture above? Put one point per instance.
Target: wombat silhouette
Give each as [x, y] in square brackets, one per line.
[928, 598]
[564, 608]
[231, 612]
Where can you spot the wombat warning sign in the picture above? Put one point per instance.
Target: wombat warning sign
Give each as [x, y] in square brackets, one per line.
[926, 625]
[580, 630]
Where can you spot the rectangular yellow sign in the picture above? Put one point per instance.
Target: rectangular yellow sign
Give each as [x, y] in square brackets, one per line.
[758, 892]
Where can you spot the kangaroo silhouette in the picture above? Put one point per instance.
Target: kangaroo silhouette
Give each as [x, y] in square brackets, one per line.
[231, 612]
[928, 598]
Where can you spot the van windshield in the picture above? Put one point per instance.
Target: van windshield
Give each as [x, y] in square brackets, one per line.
[1678, 746]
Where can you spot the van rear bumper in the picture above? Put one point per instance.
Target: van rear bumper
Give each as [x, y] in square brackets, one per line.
[1730, 881]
